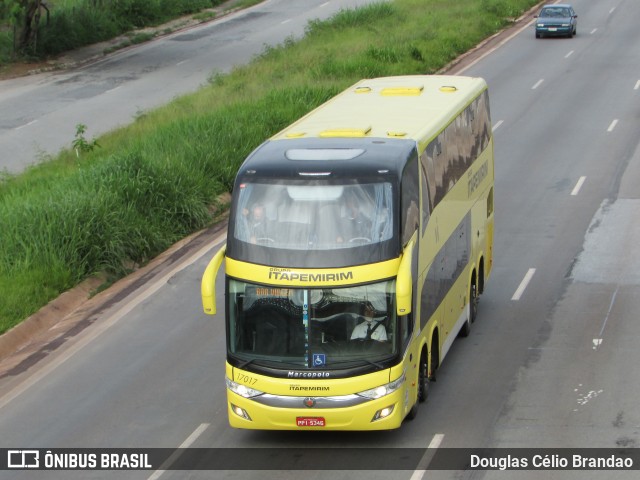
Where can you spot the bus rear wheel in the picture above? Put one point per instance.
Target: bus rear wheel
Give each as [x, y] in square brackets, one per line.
[473, 301]
[423, 379]
[465, 330]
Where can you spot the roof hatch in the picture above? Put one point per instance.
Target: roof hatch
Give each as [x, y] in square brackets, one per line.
[402, 91]
[345, 132]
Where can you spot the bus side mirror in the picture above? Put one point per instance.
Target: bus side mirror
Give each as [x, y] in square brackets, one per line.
[404, 284]
[208, 287]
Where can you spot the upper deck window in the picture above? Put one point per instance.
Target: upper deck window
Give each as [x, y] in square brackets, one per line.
[313, 215]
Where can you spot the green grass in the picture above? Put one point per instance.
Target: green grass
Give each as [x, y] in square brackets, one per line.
[149, 184]
[75, 23]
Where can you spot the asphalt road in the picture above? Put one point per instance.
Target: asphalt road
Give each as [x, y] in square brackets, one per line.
[551, 360]
[39, 113]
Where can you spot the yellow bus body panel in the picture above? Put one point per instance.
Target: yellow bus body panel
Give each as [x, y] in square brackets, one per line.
[358, 417]
[312, 277]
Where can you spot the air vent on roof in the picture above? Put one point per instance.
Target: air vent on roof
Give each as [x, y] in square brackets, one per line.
[345, 132]
[402, 91]
[396, 134]
[295, 134]
[362, 90]
[448, 89]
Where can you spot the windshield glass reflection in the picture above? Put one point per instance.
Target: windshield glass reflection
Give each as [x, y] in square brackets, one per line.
[313, 215]
[312, 328]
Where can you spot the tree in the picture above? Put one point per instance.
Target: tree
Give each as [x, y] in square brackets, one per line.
[25, 16]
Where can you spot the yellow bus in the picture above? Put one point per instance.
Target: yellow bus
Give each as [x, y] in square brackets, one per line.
[359, 240]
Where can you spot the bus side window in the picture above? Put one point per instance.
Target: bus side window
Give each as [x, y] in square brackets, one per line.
[425, 192]
[410, 196]
[406, 329]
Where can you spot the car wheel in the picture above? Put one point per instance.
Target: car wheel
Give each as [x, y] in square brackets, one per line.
[537, 35]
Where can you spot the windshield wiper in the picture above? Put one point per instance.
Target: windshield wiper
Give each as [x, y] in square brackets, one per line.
[265, 362]
[245, 363]
[360, 360]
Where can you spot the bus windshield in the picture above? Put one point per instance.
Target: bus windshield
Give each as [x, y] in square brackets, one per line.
[313, 215]
[327, 328]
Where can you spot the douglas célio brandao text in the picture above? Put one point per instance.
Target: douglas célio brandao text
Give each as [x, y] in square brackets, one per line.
[551, 462]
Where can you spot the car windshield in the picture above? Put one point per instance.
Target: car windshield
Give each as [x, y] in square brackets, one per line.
[313, 215]
[555, 12]
[327, 328]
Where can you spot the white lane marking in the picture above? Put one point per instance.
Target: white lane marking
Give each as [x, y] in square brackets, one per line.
[612, 10]
[495, 127]
[435, 443]
[436, 440]
[523, 285]
[578, 186]
[113, 89]
[598, 341]
[537, 84]
[324, 4]
[418, 474]
[186, 444]
[26, 124]
[569, 54]
[101, 327]
[182, 62]
[637, 86]
[491, 50]
[285, 21]
[593, 31]
[612, 125]
[584, 399]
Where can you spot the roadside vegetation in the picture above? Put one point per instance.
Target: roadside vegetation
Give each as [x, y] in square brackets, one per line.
[35, 29]
[106, 205]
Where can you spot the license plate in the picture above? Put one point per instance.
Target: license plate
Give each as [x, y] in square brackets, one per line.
[553, 29]
[310, 421]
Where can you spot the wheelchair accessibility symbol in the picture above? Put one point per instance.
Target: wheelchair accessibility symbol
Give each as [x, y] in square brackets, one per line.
[319, 359]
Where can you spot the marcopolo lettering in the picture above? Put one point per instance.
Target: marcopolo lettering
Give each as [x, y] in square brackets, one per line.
[294, 374]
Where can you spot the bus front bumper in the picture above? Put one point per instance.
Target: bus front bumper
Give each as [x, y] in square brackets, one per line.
[302, 413]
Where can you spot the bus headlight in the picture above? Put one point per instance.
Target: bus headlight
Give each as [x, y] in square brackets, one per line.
[383, 413]
[241, 412]
[383, 390]
[242, 390]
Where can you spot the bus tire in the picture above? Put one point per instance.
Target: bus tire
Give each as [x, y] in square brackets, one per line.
[465, 330]
[413, 413]
[473, 301]
[423, 379]
[423, 386]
